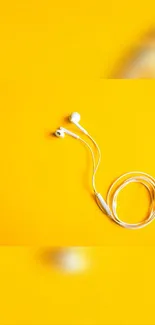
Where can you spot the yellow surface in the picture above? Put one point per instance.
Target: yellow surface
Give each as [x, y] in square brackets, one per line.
[53, 58]
[45, 40]
[117, 289]
[46, 182]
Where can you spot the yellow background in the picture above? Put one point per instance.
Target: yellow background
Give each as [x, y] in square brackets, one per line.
[54, 58]
[116, 290]
[46, 193]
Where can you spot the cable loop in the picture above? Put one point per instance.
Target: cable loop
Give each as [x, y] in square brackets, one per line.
[119, 184]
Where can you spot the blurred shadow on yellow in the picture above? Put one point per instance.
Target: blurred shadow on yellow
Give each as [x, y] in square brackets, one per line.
[65, 259]
[139, 62]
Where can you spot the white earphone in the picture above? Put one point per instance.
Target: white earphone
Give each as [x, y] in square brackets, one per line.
[110, 204]
[60, 133]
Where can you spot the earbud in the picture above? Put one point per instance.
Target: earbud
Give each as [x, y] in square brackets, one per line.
[75, 118]
[60, 133]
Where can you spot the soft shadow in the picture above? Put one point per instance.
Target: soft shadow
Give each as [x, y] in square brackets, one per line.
[48, 256]
[49, 135]
[65, 119]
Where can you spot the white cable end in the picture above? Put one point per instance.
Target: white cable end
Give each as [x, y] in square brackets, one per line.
[103, 204]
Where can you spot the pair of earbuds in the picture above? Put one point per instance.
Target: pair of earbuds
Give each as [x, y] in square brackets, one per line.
[109, 205]
[75, 119]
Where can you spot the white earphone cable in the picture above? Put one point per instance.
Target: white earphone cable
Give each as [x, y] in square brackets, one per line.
[95, 167]
[118, 185]
[109, 206]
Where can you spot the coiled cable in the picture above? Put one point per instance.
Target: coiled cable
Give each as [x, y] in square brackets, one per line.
[117, 186]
